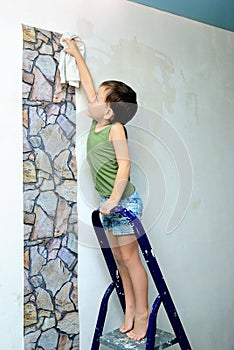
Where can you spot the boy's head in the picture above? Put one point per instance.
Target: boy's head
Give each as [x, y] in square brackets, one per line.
[122, 99]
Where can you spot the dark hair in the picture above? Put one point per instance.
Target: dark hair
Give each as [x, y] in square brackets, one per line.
[122, 99]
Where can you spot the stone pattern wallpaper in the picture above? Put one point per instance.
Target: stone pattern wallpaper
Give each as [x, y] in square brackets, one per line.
[50, 205]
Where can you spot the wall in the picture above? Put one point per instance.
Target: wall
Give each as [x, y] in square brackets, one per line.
[183, 71]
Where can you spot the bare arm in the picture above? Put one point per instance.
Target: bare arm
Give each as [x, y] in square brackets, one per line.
[118, 138]
[85, 76]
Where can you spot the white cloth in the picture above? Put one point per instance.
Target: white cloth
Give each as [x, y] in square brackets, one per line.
[69, 72]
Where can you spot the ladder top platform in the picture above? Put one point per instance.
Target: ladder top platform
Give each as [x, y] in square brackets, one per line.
[119, 341]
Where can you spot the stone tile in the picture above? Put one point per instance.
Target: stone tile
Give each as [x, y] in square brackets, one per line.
[28, 60]
[49, 339]
[63, 212]
[62, 299]
[29, 33]
[26, 259]
[74, 293]
[35, 141]
[30, 340]
[43, 161]
[61, 165]
[52, 109]
[29, 172]
[36, 281]
[69, 323]
[30, 314]
[47, 185]
[48, 323]
[43, 37]
[27, 285]
[43, 299]
[72, 243]
[66, 125]
[73, 166]
[47, 67]
[55, 274]
[45, 49]
[41, 89]
[44, 226]
[71, 112]
[36, 123]
[29, 219]
[53, 243]
[37, 261]
[68, 190]
[76, 343]
[29, 200]
[25, 117]
[26, 89]
[60, 91]
[74, 215]
[54, 140]
[67, 257]
[64, 343]
[48, 202]
[28, 78]
[44, 313]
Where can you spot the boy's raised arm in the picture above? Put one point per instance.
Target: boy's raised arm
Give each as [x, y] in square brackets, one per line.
[85, 76]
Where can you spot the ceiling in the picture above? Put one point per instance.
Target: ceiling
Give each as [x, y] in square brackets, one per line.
[218, 13]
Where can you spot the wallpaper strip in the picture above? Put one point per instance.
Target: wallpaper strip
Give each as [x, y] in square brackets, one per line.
[50, 204]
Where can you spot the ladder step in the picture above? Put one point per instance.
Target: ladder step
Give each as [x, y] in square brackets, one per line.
[119, 341]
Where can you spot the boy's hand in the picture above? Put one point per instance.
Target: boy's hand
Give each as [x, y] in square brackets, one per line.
[107, 206]
[71, 47]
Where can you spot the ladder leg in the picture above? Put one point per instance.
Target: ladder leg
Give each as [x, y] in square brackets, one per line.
[157, 277]
[101, 317]
[164, 293]
[162, 287]
[152, 324]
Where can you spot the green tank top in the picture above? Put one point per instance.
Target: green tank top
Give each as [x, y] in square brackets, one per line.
[103, 163]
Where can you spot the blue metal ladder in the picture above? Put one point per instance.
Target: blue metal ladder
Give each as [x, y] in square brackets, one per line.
[156, 338]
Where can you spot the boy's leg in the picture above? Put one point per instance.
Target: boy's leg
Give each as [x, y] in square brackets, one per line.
[131, 260]
[127, 285]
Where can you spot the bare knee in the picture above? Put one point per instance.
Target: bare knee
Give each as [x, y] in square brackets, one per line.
[118, 255]
[129, 260]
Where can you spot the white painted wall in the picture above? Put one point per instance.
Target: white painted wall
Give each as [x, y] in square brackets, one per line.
[183, 71]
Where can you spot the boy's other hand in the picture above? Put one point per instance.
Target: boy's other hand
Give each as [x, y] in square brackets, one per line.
[107, 206]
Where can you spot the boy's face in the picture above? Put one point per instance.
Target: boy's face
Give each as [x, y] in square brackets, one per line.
[98, 108]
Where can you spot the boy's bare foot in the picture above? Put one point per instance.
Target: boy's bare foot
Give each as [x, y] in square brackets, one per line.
[140, 326]
[127, 326]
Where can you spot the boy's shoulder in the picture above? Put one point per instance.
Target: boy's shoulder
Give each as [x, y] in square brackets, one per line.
[118, 129]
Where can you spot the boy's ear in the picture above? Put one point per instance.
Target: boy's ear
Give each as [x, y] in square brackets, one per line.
[109, 114]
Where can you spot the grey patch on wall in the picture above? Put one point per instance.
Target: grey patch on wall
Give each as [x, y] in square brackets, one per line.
[50, 204]
[142, 64]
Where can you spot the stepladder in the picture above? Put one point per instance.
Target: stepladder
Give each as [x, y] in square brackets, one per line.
[155, 337]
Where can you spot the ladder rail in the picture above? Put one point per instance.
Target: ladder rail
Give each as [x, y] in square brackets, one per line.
[109, 257]
[102, 317]
[152, 328]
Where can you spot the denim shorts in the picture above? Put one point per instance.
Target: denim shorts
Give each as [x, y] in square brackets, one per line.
[121, 225]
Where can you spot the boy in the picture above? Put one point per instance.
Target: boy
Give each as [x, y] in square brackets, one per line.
[107, 152]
